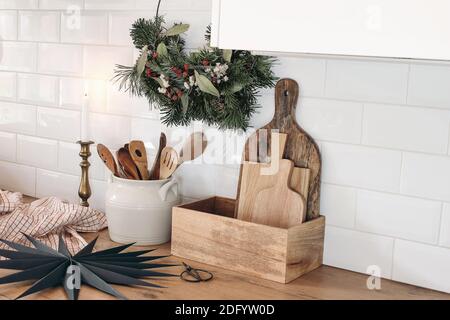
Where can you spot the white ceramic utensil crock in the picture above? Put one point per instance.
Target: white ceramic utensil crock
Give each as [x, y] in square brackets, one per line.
[140, 210]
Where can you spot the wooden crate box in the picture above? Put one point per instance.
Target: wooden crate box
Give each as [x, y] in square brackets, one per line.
[206, 231]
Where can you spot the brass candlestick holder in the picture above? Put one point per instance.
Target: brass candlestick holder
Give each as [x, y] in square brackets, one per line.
[84, 192]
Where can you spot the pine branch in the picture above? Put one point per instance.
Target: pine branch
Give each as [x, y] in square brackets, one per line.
[128, 79]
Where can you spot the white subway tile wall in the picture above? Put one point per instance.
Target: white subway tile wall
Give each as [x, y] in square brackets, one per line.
[37, 152]
[8, 85]
[8, 144]
[32, 88]
[383, 128]
[8, 25]
[39, 26]
[444, 238]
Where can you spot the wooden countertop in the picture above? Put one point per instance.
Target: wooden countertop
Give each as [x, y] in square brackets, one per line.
[322, 283]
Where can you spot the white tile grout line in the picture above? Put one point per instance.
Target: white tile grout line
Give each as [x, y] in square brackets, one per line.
[448, 140]
[393, 257]
[35, 181]
[361, 134]
[324, 92]
[440, 224]
[400, 184]
[355, 219]
[17, 24]
[407, 83]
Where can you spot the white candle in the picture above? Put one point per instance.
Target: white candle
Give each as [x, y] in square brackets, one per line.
[85, 118]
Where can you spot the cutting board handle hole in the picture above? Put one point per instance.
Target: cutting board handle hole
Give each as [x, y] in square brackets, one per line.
[286, 93]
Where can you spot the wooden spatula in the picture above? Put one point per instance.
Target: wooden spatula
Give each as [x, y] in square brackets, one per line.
[127, 164]
[168, 162]
[154, 172]
[139, 156]
[194, 147]
[107, 158]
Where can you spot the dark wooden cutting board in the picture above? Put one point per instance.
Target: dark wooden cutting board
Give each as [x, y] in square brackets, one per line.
[300, 147]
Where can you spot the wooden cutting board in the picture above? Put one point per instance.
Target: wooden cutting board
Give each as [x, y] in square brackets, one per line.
[254, 178]
[300, 147]
[279, 205]
[288, 183]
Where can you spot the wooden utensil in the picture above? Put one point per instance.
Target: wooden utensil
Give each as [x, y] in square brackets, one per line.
[168, 162]
[127, 164]
[139, 156]
[154, 172]
[194, 147]
[300, 147]
[108, 159]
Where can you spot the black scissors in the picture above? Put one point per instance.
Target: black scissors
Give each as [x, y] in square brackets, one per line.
[195, 275]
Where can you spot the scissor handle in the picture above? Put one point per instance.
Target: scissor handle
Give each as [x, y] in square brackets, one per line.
[194, 273]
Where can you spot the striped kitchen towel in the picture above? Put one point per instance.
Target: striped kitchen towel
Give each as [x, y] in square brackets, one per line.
[45, 219]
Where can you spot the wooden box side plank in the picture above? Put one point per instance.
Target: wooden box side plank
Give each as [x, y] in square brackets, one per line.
[229, 243]
[305, 248]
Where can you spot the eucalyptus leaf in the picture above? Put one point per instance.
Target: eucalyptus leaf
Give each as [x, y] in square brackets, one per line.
[176, 30]
[227, 53]
[185, 102]
[206, 85]
[142, 60]
[162, 49]
[236, 87]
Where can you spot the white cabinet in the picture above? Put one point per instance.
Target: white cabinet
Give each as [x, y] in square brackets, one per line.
[418, 29]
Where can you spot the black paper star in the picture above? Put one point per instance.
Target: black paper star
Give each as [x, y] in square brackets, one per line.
[52, 268]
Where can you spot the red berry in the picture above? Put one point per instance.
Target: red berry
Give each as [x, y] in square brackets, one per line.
[185, 74]
[174, 98]
[205, 62]
[148, 72]
[179, 94]
[155, 55]
[186, 67]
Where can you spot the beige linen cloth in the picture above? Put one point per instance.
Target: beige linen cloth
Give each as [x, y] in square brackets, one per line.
[45, 219]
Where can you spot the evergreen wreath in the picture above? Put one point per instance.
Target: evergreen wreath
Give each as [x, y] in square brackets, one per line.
[218, 87]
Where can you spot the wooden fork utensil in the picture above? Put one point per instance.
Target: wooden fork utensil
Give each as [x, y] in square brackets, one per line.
[168, 162]
[139, 156]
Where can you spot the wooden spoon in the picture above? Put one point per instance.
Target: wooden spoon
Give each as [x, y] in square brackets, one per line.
[127, 164]
[168, 162]
[194, 147]
[107, 158]
[139, 156]
[154, 172]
